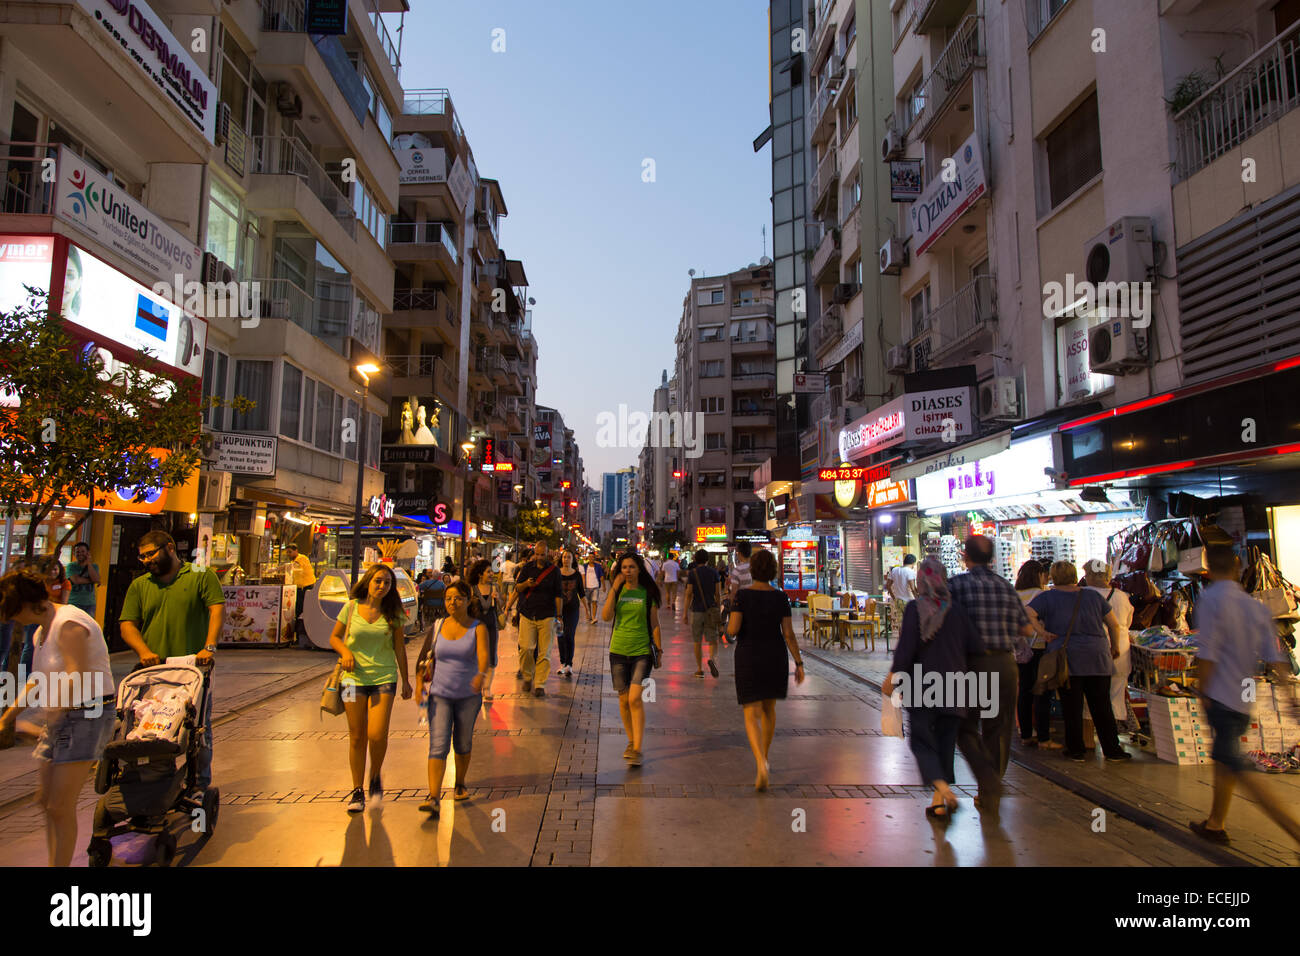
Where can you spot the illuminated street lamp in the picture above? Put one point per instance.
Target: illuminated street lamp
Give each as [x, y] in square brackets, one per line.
[365, 370]
[467, 447]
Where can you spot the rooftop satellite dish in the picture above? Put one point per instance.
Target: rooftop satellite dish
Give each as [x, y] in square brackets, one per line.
[532, 301]
[691, 273]
[765, 261]
[752, 265]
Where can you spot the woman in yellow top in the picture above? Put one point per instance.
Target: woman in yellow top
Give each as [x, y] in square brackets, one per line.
[371, 645]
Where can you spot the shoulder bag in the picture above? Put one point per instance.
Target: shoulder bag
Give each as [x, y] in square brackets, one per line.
[656, 656]
[331, 698]
[1053, 667]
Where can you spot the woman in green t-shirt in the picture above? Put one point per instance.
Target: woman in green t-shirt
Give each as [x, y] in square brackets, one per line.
[633, 605]
[369, 639]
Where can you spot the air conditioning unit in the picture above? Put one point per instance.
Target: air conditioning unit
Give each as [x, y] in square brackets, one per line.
[1116, 348]
[898, 360]
[1123, 253]
[214, 270]
[891, 145]
[999, 398]
[214, 490]
[853, 388]
[223, 123]
[891, 257]
[288, 102]
[843, 292]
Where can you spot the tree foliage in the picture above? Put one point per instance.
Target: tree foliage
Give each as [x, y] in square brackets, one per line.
[535, 524]
[71, 427]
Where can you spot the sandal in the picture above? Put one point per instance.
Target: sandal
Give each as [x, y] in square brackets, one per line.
[430, 806]
[932, 811]
[1214, 836]
[462, 793]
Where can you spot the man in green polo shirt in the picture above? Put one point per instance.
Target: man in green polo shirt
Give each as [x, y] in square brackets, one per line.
[173, 611]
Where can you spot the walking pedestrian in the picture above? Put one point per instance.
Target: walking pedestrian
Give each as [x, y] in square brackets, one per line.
[73, 681]
[176, 610]
[572, 593]
[633, 606]
[994, 608]
[670, 571]
[1033, 711]
[760, 622]
[702, 601]
[485, 607]
[537, 592]
[1097, 573]
[901, 582]
[591, 585]
[508, 568]
[369, 637]
[1081, 619]
[938, 637]
[84, 576]
[1235, 633]
[457, 652]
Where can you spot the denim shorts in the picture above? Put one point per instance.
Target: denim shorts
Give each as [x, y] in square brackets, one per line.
[74, 737]
[626, 671]
[451, 722]
[1228, 725]
[372, 690]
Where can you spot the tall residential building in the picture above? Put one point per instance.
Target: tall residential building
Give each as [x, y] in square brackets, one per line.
[661, 456]
[726, 370]
[615, 488]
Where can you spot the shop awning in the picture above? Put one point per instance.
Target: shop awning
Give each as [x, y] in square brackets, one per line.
[958, 455]
[246, 493]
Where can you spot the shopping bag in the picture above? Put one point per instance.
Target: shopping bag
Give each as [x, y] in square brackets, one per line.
[891, 717]
[331, 698]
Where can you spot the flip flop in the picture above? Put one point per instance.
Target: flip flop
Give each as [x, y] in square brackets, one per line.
[932, 811]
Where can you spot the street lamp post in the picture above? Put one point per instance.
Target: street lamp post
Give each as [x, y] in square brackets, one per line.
[518, 488]
[468, 448]
[365, 371]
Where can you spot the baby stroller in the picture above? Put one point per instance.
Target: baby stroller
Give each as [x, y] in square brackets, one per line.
[149, 766]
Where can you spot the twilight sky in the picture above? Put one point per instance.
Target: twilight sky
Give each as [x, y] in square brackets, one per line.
[564, 119]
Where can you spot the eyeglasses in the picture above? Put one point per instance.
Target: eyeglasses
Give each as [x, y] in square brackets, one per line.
[149, 555]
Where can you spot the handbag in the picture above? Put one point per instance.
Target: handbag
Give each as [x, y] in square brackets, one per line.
[1191, 559]
[331, 698]
[1053, 666]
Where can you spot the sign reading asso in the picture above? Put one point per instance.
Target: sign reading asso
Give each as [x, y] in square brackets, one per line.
[948, 195]
[112, 218]
[134, 26]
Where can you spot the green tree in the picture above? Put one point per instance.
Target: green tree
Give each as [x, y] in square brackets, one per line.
[535, 524]
[70, 427]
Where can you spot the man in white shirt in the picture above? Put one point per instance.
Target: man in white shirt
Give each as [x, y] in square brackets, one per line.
[901, 582]
[670, 570]
[508, 568]
[1097, 573]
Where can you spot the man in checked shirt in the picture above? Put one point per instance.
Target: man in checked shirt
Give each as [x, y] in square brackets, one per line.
[999, 618]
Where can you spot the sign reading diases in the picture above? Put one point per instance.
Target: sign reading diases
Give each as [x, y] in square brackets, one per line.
[914, 417]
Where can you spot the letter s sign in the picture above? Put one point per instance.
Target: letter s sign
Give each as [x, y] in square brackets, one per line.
[440, 513]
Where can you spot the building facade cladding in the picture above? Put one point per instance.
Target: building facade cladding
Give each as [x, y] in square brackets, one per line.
[788, 66]
[258, 192]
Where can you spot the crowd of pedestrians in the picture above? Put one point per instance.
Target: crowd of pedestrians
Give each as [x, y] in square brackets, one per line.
[975, 623]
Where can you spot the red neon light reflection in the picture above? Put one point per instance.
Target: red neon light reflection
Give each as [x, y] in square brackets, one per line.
[1120, 410]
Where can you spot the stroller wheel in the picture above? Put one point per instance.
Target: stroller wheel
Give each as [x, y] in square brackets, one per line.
[165, 849]
[100, 852]
[211, 807]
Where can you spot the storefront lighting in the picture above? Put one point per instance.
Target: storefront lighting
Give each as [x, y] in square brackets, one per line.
[886, 518]
[296, 519]
[1012, 500]
[1120, 410]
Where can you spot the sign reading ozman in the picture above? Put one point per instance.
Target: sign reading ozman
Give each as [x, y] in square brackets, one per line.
[942, 202]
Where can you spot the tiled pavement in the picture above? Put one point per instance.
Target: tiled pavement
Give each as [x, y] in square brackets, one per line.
[549, 787]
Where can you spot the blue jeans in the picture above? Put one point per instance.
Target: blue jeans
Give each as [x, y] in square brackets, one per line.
[452, 720]
[566, 640]
[29, 648]
[203, 759]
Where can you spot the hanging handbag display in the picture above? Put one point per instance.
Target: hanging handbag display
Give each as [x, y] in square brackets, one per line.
[1053, 666]
[1271, 589]
[1191, 559]
[1136, 555]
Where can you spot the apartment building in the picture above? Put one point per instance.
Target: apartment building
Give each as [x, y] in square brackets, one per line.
[267, 161]
[659, 463]
[726, 373]
[560, 481]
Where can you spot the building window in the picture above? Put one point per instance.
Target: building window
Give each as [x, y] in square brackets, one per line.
[290, 402]
[711, 369]
[216, 366]
[1074, 152]
[253, 382]
[713, 404]
[352, 414]
[1039, 13]
[745, 297]
[242, 87]
[325, 431]
[711, 333]
[715, 441]
[715, 515]
[920, 312]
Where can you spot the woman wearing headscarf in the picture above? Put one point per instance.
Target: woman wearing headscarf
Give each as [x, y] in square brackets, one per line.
[936, 638]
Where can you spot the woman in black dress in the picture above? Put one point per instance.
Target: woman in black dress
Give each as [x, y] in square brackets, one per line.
[760, 620]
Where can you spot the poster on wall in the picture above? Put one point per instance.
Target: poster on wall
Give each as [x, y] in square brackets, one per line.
[203, 543]
[905, 180]
[253, 615]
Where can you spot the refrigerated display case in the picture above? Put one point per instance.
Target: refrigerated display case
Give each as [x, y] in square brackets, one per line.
[327, 597]
[799, 569]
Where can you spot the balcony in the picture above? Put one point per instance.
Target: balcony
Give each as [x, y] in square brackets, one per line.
[385, 39]
[285, 156]
[959, 59]
[284, 299]
[753, 454]
[753, 381]
[760, 343]
[822, 116]
[425, 309]
[750, 414]
[1253, 96]
[823, 181]
[823, 37]
[826, 330]
[906, 18]
[826, 260]
[413, 374]
[960, 326]
[26, 193]
[935, 15]
[431, 103]
[425, 242]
